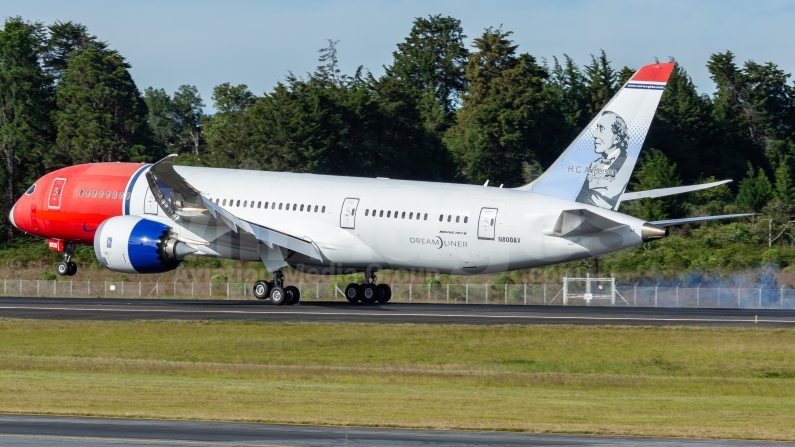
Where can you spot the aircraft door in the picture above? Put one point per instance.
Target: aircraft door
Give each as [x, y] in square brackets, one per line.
[348, 213]
[487, 223]
[56, 191]
[150, 204]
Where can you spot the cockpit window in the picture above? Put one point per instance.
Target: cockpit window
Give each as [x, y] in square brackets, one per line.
[31, 189]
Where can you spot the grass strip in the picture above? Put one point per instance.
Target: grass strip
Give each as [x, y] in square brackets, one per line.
[694, 382]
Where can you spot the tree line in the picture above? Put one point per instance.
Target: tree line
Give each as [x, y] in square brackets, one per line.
[441, 111]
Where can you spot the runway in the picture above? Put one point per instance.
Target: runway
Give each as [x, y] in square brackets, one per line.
[20, 430]
[336, 312]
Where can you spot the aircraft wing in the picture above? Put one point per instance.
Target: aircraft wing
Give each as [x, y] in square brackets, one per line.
[180, 201]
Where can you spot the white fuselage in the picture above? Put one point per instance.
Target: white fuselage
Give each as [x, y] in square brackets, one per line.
[362, 223]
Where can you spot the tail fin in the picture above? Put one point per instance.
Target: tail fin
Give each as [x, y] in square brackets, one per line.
[596, 167]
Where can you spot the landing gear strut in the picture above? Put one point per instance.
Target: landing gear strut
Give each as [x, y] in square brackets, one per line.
[276, 291]
[368, 292]
[67, 267]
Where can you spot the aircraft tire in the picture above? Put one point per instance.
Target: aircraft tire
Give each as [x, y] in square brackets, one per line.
[261, 290]
[293, 295]
[370, 293]
[278, 295]
[62, 268]
[385, 293]
[72, 269]
[353, 292]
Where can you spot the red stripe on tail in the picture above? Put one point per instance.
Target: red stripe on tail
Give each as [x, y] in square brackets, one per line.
[654, 72]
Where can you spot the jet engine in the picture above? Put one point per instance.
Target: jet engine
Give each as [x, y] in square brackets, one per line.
[133, 244]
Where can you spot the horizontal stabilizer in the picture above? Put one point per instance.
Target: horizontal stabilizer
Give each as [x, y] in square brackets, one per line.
[663, 192]
[687, 220]
[581, 222]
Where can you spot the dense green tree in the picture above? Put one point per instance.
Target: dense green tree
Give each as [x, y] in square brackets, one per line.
[784, 190]
[66, 37]
[188, 115]
[161, 117]
[25, 105]
[430, 65]
[655, 171]
[755, 190]
[100, 114]
[227, 131]
[602, 82]
[505, 114]
[736, 121]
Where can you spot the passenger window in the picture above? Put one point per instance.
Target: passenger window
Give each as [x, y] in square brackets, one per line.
[396, 214]
[426, 217]
[323, 210]
[216, 201]
[302, 207]
[309, 208]
[81, 193]
[287, 207]
[448, 217]
[273, 205]
[224, 204]
[366, 212]
[315, 208]
[403, 216]
[245, 203]
[114, 194]
[295, 206]
[388, 213]
[441, 217]
[266, 205]
[466, 218]
[259, 204]
[101, 194]
[238, 203]
[107, 194]
[457, 218]
[280, 206]
[411, 215]
[381, 214]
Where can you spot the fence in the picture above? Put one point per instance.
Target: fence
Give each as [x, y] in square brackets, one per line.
[516, 294]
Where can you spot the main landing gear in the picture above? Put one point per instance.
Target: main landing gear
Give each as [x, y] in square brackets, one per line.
[368, 292]
[276, 291]
[67, 267]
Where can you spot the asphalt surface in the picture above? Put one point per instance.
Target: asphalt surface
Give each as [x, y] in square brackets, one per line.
[336, 312]
[19, 430]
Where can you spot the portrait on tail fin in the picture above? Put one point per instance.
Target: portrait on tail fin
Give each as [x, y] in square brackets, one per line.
[608, 175]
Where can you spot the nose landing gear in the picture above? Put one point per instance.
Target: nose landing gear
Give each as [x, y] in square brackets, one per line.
[368, 292]
[67, 267]
[276, 291]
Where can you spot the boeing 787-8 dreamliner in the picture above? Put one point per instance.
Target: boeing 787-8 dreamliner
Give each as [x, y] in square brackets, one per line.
[145, 218]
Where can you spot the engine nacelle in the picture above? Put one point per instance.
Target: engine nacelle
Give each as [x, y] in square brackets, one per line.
[133, 244]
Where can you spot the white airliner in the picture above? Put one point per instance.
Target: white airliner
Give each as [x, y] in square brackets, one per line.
[147, 218]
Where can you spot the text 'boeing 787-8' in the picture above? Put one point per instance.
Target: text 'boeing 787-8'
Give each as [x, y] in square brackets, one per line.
[145, 218]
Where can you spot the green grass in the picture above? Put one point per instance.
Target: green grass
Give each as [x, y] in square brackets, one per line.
[728, 383]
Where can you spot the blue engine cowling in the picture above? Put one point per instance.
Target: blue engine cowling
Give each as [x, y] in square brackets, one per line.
[133, 244]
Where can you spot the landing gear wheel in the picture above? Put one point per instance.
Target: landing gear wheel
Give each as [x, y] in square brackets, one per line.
[353, 292]
[293, 295]
[278, 295]
[369, 293]
[261, 290]
[63, 268]
[385, 293]
[72, 268]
